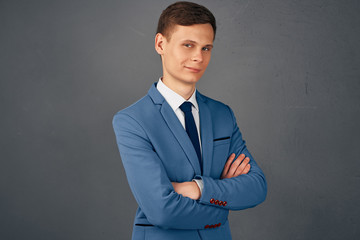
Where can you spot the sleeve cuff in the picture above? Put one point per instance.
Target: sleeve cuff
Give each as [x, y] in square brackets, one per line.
[200, 184]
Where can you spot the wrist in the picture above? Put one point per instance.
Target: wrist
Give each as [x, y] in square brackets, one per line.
[200, 184]
[196, 190]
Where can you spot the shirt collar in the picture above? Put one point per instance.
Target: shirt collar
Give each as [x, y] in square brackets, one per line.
[174, 99]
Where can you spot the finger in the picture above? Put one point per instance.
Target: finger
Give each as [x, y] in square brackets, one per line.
[235, 165]
[227, 165]
[247, 169]
[242, 167]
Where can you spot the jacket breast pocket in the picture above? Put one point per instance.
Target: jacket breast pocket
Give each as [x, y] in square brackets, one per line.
[220, 155]
[220, 141]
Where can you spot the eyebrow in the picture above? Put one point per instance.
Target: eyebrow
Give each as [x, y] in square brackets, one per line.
[192, 41]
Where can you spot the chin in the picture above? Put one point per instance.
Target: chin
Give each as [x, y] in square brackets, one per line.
[193, 79]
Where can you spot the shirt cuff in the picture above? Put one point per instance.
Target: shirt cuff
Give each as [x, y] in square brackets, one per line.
[200, 184]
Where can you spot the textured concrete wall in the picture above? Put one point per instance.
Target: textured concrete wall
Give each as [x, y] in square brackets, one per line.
[289, 70]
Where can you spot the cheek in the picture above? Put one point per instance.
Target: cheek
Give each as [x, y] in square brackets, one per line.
[181, 56]
[174, 60]
[207, 61]
[208, 57]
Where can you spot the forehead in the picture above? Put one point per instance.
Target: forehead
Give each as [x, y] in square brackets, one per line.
[201, 33]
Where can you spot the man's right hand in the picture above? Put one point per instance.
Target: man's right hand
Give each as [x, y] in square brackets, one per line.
[238, 167]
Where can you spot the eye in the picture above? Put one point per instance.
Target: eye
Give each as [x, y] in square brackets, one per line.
[188, 45]
[206, 49]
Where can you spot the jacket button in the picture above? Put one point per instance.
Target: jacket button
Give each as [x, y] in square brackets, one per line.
[224, 203]
[212, 200]
[221, 203]
[207, 226]
[216, 202]
[219, 224]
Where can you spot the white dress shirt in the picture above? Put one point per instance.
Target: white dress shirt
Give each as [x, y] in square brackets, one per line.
[175, 100]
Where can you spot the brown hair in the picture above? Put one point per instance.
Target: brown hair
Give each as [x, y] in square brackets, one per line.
[184, 14]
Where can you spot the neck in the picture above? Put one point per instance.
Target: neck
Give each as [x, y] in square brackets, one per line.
[184, 90]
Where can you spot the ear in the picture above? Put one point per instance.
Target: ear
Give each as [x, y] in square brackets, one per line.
[159, 43]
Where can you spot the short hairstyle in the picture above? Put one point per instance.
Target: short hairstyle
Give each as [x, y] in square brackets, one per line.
[184, 14]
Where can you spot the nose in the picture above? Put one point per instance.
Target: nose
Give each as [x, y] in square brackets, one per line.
[197, 57]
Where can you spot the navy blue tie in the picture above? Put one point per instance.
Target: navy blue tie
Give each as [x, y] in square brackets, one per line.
[190, 127]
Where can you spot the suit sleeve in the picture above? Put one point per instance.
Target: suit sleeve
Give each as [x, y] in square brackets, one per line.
[151, 186]
[241, 192]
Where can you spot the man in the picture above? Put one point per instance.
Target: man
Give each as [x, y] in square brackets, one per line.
[186, 162]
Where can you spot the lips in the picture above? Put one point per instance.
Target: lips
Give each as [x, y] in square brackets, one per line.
[195, 70]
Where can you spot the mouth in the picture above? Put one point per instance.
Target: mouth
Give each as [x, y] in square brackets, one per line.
[194, 70]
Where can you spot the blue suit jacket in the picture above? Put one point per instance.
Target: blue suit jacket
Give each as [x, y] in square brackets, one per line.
[156, 150]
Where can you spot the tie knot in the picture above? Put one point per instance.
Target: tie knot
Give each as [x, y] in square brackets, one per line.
[186, 107]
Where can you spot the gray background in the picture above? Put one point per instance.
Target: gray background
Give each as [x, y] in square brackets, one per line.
[289, 69]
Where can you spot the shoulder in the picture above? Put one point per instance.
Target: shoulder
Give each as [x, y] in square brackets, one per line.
[136, 107]
[136, 112]
[215, 106]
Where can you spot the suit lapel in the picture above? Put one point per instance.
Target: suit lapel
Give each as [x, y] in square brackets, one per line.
[181, 135]
[176, 128]
[206, 134]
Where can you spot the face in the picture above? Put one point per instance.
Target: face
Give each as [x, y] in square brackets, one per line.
[187, 54]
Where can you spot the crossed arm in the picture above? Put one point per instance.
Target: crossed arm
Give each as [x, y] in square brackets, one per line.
[231, 169]
[242, 184]
[152, 187]
[171, 205]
